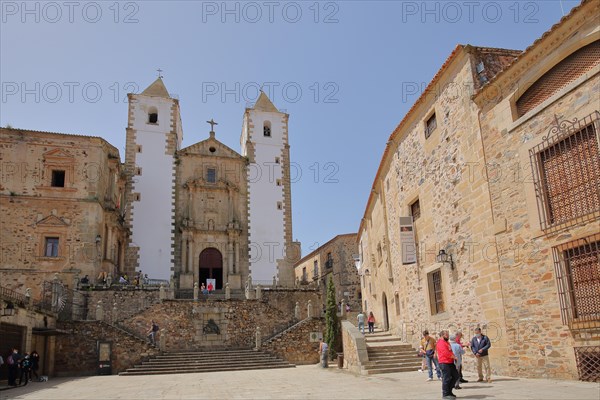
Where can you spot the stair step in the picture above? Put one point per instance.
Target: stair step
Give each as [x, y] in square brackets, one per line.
[388, 370]
[186, 371]
[223, 360]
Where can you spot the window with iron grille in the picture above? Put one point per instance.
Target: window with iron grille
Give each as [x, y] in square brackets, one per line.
[588, 363]
[430, 126]
[436, 295]
[415, 210]
[566, 173]
[577, 267]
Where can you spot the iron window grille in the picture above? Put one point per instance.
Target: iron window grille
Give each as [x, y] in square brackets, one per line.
[588, 363]
[566, 173]
[577, 267]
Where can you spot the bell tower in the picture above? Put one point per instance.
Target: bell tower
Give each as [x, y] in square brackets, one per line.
[154, 134]
[264, 141]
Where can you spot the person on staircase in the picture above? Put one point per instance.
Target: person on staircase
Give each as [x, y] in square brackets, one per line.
[371, 322]
[152, 332]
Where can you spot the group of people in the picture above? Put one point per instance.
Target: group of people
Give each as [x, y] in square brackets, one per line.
[105, 279]
[446, 355]
[22, 366]
[207, 289]
[370, 322]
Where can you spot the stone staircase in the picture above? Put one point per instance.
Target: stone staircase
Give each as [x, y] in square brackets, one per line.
[207, 361]
[387, 354]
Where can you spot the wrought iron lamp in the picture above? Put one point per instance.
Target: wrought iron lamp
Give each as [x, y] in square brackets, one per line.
[445, 258]
[8, 309]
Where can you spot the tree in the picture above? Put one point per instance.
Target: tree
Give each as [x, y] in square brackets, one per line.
[332, 323]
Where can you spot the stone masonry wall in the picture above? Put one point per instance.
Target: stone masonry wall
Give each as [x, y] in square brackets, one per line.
[128, 302]
[77, 354]
[296, 345]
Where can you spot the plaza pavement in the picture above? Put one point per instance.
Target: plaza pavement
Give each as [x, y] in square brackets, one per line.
[303, 382]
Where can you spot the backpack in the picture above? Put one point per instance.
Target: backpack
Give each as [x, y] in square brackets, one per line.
[154, 327]
[26, 363]
[10, 360]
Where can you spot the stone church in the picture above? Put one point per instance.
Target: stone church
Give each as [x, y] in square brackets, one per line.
[205, 211]
[180, 214]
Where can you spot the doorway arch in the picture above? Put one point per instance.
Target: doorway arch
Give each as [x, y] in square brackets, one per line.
[211, 266]
[386, 322]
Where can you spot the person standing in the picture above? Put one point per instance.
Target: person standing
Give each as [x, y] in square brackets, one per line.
[480, 345]
[35, 365]
[446, 360]
[428, 344]
[152, 332]
[458, 352]
[25, 370]
[361, 322]
[458, 336]
[371, 322]
[324, 352]
[13, 367]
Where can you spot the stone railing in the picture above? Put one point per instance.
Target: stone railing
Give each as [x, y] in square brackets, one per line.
[355, 347]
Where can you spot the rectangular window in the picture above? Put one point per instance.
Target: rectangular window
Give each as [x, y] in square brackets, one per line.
[58, 178]
[211, 175]
[329, 262]
[51, 247]
[316, 269]
[397, 301]
[430, 126]
[577, 267]
[415, 210]
[436, 296]
[566, 173]
[304, 274]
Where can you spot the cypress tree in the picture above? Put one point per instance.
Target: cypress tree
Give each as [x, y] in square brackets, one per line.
[332, 323]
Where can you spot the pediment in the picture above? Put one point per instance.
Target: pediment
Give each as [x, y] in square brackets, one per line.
[58, 153]
[51, 220]
[203, 148]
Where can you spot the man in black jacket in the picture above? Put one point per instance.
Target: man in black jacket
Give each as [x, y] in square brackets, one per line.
[479, 346]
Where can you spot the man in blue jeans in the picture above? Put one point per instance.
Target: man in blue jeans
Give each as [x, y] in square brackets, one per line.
[428, 344]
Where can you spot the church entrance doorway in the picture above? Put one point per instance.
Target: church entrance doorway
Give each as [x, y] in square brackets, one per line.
[211, 266]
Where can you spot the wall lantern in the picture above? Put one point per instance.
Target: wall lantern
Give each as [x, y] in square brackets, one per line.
[8, 310]
[445, 258]
[98, 239]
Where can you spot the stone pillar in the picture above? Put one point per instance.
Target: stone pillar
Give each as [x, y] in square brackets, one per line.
[236, 249]
[258, 338]
[162, 340]
[227, 291]
[274, 281]
[343, 309]
[258, 292]
[109, 280]
[99, 311]
[115, 313]
[297, 310]
[184, 264]
[190, 263]
[309, 309]
[28, 302]
[195, 291]
[161, 292]
[230, 256]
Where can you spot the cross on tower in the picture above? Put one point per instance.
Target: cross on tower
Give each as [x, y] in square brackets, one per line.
[212, 124]
[159, 73]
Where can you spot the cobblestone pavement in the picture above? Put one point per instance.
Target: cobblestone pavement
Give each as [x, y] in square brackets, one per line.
[303, 382]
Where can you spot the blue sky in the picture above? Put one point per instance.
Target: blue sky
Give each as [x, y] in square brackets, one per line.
[337, 67]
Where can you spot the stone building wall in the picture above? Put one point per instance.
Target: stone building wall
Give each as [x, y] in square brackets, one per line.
[439, 172]
[341, 267]
[83, 214]
[299, 345]
[128, 302]
[77, 354]
[542, 344]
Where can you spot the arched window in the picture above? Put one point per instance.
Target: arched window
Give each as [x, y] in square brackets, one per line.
[559, 76]
[153, 115]
[267, 129]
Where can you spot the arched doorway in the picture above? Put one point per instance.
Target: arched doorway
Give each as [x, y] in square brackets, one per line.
[386, 322]
[211, 266]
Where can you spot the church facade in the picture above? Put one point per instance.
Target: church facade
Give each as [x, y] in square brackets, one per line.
[205, 211]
